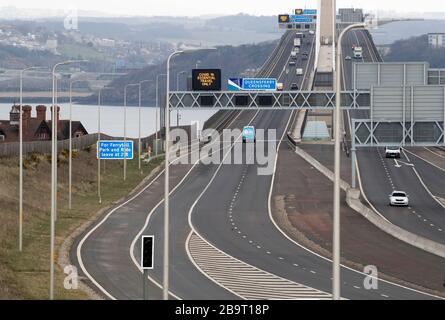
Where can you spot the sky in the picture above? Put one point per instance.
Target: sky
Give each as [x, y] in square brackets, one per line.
[211, 7]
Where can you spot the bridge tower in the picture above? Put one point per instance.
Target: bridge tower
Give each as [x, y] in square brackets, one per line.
[326, 35]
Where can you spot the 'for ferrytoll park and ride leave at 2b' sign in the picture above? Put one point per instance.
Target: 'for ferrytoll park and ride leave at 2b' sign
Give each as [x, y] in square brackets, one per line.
[206, 79]
[114, 149]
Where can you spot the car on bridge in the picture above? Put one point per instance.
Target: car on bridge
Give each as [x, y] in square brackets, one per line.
[398, 198]
[249, 134]
[294, 86]
[392, 152]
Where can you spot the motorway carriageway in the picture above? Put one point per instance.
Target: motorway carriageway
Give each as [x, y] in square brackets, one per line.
[380, 176]
[214, 200]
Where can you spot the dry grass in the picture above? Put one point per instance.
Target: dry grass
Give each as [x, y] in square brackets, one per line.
[26, 275]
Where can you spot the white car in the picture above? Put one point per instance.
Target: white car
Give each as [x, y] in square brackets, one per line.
[348, 58]
[392, 152]
[398, 198]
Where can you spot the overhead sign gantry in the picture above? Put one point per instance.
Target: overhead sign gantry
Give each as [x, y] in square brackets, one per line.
[301, 19]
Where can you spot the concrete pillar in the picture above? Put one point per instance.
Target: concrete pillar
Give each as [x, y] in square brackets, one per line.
[327, 16]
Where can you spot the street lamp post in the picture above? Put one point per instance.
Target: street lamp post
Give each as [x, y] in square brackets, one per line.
[99, 107]
[70, 161]
[336, 222]
[139, 112]
[177, 89]
[157, 108]
[125, 127]
[22, 72]
[166, 175]
[53, 174]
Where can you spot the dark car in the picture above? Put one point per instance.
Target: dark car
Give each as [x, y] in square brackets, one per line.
[294, 86]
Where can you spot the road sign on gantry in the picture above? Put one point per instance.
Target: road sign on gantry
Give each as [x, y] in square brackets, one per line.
[302, 19]
[206, 79]
[312, 12]
[252, 84]
[114, 149]
[283, 18]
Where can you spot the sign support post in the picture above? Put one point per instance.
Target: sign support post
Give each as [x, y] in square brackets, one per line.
[145, 284]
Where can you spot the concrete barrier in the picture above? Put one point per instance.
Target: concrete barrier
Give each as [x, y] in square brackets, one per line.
[296, 133]
[320, 167]
[353, 201]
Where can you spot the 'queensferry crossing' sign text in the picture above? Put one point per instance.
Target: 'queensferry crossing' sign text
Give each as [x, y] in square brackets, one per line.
[252, 84]
[114, 149]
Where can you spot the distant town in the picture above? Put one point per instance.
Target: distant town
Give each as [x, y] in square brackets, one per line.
[126, 55]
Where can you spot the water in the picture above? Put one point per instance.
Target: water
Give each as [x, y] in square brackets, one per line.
[112, 118]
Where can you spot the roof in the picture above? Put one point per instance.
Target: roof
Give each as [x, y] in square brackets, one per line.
[35, 126]
[64, 127]
[11, 132]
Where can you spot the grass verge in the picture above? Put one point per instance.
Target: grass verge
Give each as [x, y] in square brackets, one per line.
[25, 275]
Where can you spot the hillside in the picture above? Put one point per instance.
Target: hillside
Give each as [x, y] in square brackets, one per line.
[225, 30]
[416, 49]
[234, 61]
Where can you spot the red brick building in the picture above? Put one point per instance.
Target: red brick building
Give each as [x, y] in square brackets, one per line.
[38, 128]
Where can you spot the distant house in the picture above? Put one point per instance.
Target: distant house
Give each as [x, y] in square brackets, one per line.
[38, 128]
[436, 40]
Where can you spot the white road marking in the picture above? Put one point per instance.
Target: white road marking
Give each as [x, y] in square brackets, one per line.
[244, 280]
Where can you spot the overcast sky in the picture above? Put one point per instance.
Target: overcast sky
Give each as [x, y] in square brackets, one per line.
[206, 7]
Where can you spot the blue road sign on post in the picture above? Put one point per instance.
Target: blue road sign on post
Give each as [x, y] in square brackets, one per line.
[252, 84]
[114, 149]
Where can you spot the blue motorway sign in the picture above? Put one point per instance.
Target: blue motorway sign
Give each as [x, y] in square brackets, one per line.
[301, 19]
[252, 84]
[114, 149]
[310, 11]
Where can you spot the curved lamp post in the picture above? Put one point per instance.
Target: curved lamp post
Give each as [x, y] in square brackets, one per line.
[54, 173]
[336, 222]
[166, 173]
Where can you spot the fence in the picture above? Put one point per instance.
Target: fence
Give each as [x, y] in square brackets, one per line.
[12, 149]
